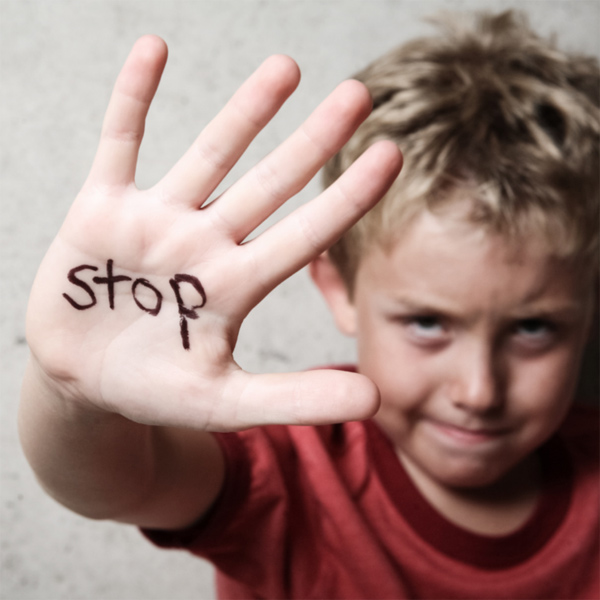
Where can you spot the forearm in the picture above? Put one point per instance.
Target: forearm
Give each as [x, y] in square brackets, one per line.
[104, 466]
[101, 318]
[96, 463]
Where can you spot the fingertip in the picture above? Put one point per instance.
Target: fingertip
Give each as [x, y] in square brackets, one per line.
[351, 99]
[367, 397]
[151, 51]
[390, 154]
[350, 396]
[283, 61]
[152, 43]
[283, 71]
[143, 68]
[358, 93]
[382, 163]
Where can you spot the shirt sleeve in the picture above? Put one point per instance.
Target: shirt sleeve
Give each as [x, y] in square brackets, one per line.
[248, 529]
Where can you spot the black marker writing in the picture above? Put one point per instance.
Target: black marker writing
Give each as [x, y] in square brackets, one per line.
[110, 281]
[185, 312]
[153, 311]
[72, 277]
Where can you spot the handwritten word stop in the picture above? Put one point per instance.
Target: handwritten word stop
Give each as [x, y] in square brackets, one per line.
[138, 286]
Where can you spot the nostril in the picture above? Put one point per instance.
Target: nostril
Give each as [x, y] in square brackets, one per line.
[478, 392]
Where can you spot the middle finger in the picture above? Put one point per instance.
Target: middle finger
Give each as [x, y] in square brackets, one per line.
[294, 163]
[221, 143]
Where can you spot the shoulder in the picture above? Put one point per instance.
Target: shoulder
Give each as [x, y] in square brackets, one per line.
[580, 433]
[582, 422]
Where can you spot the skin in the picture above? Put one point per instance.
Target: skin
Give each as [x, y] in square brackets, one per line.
[116, 414]
[117, 403]
[474, 343]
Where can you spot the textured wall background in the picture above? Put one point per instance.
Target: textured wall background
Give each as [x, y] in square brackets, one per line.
[58, 63]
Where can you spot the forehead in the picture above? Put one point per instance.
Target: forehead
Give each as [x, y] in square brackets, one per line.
[449, 258]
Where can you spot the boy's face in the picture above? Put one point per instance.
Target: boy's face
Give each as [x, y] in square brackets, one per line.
[475, 347]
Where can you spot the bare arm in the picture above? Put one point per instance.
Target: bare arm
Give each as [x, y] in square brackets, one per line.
[137, 306]
[102, 465]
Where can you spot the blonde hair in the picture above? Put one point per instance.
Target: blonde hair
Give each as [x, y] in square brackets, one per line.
[491, 106]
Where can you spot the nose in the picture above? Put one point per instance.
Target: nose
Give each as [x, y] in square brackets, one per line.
[476, 383]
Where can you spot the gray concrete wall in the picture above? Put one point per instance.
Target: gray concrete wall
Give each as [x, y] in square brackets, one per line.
[58, 62]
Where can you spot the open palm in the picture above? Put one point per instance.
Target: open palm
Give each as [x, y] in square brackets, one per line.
[138, 303]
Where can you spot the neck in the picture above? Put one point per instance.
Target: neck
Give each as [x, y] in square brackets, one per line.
[499, 508]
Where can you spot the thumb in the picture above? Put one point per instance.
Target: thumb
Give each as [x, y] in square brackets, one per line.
[316, 397]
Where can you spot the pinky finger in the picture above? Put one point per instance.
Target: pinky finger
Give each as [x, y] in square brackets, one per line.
[124, 122]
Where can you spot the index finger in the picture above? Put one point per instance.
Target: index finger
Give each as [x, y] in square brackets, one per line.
[124, 122]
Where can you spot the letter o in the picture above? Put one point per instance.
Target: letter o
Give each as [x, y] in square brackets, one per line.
[152, 311]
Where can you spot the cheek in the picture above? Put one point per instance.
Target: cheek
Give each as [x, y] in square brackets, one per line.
[402, 376]
[543, 391]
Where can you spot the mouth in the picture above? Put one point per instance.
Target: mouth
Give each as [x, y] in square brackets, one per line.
[464, 435]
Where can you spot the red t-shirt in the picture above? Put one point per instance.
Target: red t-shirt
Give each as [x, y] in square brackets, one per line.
[329, 512]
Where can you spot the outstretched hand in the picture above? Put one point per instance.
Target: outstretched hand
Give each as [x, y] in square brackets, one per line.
[138, 303]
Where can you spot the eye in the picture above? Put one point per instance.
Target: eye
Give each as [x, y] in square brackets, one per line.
[427, 327]
[535, 331]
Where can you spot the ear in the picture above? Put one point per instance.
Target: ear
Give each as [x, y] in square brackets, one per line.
[328, 279]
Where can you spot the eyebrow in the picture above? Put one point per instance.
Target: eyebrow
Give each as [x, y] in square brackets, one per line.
[568, 310]
[534, 309]
[420, 305]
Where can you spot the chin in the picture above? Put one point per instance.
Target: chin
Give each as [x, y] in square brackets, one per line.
[472, 481]
[471, 476]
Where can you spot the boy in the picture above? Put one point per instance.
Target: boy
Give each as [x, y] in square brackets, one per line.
[469, 289]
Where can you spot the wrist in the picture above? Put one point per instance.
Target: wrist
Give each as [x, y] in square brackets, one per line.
[61, 398]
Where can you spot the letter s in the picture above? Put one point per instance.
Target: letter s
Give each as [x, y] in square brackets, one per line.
[72, 277]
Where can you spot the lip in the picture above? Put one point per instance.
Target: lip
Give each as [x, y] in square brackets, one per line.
[464, 435]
